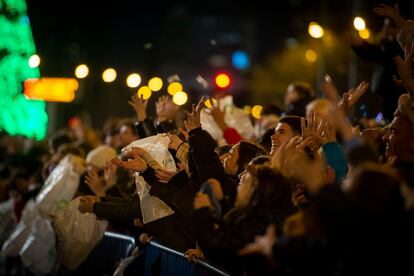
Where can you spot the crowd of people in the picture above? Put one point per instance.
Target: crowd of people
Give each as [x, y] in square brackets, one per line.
[303, 192]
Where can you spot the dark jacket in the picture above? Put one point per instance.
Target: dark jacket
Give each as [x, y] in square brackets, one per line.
[365, 242]
[382, 79]
[174, 230]
[206, 165]
[221, 239]
[355, 241]
[118, 208]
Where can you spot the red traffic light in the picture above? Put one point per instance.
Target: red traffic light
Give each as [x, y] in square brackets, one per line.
[222, 80]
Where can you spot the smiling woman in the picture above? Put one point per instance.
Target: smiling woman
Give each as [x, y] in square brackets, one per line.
[240, 155]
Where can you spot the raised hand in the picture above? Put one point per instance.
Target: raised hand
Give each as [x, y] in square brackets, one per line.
[90, 198]
[95, 183]
[85, 205]
[312, 130]
[405, 106]
[201, 200]
[391, 12]
[279, 158]
[140, 107]
[405, 68]
[164, 176]
[175, 142]
[352, 95]
[330, 90]
[184, 133]
[216, 186]
[137, 164]
[165, 108]
[349, 98]
[110, 173]
[193, 118]
[217, 115]
[328, 132]
[193, 254]
[135, 152]
[309, 171]
[144, 238]
[262, 244]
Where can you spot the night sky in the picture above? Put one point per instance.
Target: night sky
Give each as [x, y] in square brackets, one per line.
[162, 38]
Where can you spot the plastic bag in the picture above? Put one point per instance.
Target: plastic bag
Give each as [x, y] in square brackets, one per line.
[38, 253]
[157, 147]
[15, 242]
[77, 234]
[233, 116]
[7, 219]
[61, 185]
[152, 208]
[264, 124]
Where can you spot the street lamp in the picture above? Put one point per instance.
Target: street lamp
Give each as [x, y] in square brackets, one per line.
[359, 23]
[315, 30]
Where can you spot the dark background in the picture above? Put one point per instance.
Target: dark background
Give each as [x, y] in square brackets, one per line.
[117, 33]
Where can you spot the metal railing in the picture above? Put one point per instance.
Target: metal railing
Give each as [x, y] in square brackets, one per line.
[163, 260]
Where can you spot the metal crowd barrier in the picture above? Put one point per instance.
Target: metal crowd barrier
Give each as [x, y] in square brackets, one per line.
[161, 260]
[158, 259]
[106, 255]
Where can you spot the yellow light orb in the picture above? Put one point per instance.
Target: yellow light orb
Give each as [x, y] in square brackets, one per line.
[81, 71]
[133, 80]
[247, 109]
[144, 92]
[315, 30]
[359, 23]
[174, 87]
[109, 75]
[311, 55]
[256, 111]
[364, 34]
[155, 84]
[208, 104]
[222, 80]
[180, 98]
[34, 61]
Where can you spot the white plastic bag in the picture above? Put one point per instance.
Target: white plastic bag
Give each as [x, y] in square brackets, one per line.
[61, 185]
[157, 147]
[14, 243]
[77, 234]
[233, 116]
[152, 208]
[7, 219]
[265, 123]
[38, 253]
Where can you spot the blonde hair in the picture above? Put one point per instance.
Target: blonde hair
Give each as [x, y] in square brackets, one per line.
[318, 106]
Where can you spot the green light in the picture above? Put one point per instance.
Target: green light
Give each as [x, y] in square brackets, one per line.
[18, 115]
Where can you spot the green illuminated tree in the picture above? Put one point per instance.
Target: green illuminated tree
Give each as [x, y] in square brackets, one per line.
[18, 115]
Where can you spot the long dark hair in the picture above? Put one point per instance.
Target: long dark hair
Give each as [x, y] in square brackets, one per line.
[248, 151]
[273, 190]
[272, 193]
